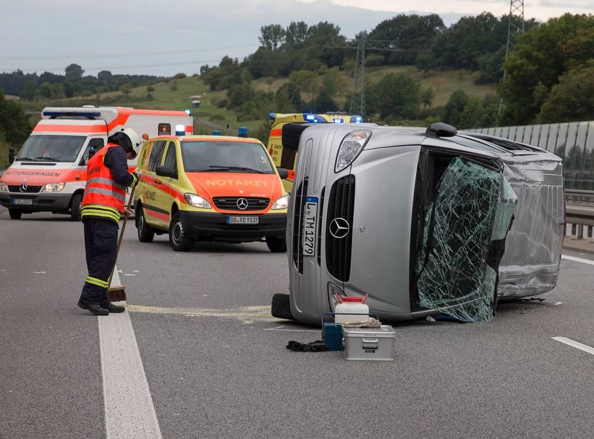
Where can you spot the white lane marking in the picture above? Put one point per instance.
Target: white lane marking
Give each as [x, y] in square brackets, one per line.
[129, 409]
[574, 259]
[558, 303]
[319, 331]
[575, 344]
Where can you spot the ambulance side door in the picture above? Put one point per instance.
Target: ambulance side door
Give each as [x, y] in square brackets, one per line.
[156, 213]
[169, 182]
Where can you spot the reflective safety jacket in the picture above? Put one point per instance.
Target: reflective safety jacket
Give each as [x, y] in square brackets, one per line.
[104, 197]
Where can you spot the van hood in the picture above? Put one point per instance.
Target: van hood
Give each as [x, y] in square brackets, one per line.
[42, 175]
[241, 184]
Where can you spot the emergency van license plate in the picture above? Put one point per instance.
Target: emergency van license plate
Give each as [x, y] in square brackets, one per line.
[243, 220]
[22, 201]
[310, 221]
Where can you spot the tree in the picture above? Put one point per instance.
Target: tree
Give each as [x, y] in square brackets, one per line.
[126, 90]
[572, 99]
[28, 93]
[425, 61]
[410, 32]
[324, 103]
[74, 71]
[491, 66]
[14, 123]
[396, 96]
[304, 81]
[454, 108]
[272, 36]
[427, 96]
[541, 56]
[296, 35]
[150, 89]
[104, 76]
[292, 93]
[46, 91]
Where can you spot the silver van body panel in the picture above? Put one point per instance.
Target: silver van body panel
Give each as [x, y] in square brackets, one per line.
[385, 173]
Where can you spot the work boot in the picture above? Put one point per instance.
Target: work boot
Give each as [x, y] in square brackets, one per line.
[111, 307]
[93, 308]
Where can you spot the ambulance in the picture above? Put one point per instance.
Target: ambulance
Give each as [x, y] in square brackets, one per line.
[210, 188]
[49, 173]
[285, 131]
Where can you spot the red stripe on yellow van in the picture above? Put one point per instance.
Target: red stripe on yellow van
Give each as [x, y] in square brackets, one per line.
[155, 214]
[71, 128]
[276, 133]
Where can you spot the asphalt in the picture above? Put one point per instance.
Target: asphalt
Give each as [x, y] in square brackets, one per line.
[217, 365]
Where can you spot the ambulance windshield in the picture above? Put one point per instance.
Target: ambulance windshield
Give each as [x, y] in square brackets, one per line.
[225, 157]
[49, 148]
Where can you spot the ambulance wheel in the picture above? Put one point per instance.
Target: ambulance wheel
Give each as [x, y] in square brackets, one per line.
[75, 207]
[178, 237]
[145, 232]
[281, 307]
[15, 214]
[276, 245]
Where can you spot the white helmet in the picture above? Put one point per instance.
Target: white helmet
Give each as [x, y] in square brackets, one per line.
[134, 139]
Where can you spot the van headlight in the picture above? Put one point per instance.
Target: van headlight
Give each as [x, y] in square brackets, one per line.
[53, 187]
[196, 201]
[3, 187]
[350, 148]
[281, 203]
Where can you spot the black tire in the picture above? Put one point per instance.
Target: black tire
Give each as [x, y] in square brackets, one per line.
[15, 214]
[281, 307]
[276, 245]
[291, 133]
[145, 232]
[178, 237]
[76, 207]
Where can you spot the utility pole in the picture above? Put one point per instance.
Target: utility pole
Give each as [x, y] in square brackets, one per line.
[514, 29]
[362, 45]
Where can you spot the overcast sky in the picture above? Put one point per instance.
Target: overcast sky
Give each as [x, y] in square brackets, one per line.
[164, 37]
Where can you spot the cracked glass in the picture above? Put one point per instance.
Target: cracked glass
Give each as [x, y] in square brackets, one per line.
[464, 241]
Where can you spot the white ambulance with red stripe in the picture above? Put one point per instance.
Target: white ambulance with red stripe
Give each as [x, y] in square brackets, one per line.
[49, 173]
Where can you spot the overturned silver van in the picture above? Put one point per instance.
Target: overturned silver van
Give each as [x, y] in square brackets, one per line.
[424, 221]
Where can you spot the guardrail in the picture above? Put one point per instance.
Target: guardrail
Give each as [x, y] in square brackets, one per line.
[577, 196]
[580, 212]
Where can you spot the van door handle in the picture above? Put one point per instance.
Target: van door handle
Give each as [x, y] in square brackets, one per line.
[158, 182]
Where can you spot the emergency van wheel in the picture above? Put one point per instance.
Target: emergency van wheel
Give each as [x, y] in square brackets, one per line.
[276, 245]
[145, 232]
[178, 237]
[75, 207]
[15, 214]
[281, 306]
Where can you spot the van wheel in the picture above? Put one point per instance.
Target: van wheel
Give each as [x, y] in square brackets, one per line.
[178, 236]
[281, 307]
[75, 207]
[276, 245]
[15, 214]
[145, 232]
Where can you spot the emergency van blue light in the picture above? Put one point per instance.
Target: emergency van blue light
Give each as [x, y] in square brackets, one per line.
[188, 112]
[242, 132]
[314, 118]
[88, 114]
[356, 119]
[338, 120]
[216, 133]
[180, 130]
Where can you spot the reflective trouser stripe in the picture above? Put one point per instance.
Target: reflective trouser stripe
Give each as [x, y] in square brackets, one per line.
[111, 193]
[101, 212]
[98, 282]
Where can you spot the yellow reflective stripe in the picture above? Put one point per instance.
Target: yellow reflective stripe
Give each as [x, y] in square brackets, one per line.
[91, 212]
[98, 282]
[104, 208]
[133, 181]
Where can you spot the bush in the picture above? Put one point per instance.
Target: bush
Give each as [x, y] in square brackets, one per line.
[180, 76]
[223, 103]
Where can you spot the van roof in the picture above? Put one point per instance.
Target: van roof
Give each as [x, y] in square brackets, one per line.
[209, 138]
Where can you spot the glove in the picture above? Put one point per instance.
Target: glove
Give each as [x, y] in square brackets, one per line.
[138, 176]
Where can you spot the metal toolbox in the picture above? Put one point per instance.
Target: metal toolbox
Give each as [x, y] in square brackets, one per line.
[374, 344]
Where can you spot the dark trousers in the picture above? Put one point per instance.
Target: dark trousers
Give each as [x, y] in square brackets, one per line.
[101, 243]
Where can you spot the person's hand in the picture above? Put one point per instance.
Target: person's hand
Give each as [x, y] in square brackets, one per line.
[138, 176]
[128, 212]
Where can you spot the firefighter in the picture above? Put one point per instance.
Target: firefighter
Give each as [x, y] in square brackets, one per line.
[103, 205]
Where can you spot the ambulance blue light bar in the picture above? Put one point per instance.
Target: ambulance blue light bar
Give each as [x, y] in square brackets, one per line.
[313, 118]
[89, 114]
[338, 120]
[356, 119]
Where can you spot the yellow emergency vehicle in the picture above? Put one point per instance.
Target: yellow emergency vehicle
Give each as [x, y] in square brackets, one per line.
[210, 188]
[286, 156]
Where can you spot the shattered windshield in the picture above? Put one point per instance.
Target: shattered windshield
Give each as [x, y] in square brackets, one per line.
[51, 148]
[464, 240]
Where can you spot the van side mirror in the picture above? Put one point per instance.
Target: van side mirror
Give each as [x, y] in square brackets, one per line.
[166, 171]
[10, 155]
[283, 173]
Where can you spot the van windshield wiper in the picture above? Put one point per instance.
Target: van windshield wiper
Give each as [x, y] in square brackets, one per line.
[22, 159]
[235, 168]
[47, 159]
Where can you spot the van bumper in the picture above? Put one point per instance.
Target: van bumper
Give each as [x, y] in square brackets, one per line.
[39, 202]
[213, 226]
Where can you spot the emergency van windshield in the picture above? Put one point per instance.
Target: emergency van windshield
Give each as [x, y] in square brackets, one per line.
[50, 148]
[225, 157]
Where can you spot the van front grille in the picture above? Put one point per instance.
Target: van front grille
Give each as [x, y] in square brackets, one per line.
[339, 228]
[234, 203]
[300, 199]
[27, 189]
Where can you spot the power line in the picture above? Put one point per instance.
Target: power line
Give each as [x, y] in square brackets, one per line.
[126, 55]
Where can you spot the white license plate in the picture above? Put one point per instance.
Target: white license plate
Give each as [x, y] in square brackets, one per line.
[310, 222]
[243, 220]
[22, 201]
